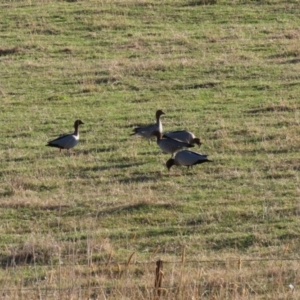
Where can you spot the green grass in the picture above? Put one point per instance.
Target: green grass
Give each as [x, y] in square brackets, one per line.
[228, 71]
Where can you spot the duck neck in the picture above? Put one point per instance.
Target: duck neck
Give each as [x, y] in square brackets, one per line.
[76, 132]
[157, 119]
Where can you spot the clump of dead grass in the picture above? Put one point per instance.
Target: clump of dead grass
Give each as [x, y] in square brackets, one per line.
[37, 250]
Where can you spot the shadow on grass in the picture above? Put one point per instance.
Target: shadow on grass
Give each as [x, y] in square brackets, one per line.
[22, 258]
[26, 256]
[273, 108]
[181, 171]
[196, 86]
[242, 242]
[201, 2]
[8, 51]
[138, 177]
[44, 156]
[96, 150]
[263, 151]
[292, 61]
[112, 166]
[54, 207]
[52, 152]
[28, 205]
[138, 207]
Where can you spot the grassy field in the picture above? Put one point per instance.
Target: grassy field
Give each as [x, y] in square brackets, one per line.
[91, 224]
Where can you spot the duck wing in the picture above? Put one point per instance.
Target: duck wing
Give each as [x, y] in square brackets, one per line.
[64, 142]
[190, 158]
[145, 131]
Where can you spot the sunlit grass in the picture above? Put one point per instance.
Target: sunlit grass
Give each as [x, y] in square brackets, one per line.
[226, 71]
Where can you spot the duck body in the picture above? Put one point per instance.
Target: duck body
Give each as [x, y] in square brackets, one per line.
[169, 145]
[148, 130]
[187, 158]
[184, 136]
[67, 141]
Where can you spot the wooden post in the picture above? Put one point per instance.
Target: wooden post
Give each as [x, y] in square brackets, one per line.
[158, 278]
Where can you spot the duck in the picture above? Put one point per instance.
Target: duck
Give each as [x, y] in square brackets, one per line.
[67, 141]
[169, 145]
[187, 158]
[184, 136]
[148, 130]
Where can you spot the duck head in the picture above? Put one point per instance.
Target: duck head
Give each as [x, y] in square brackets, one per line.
[159, 113]
[170, 163]
[77, 123]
